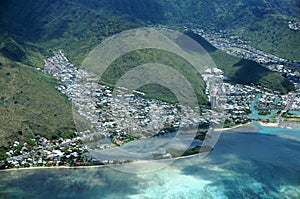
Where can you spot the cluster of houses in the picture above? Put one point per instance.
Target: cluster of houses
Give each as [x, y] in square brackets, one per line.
[122, 116]
[236, 46]
[115, 113]
[293, 25]
[295, 106]
[43, 152]
[248, 102]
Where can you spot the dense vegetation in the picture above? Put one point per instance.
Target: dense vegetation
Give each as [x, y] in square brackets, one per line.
[76, 25]
[60, 24]
[263, 23]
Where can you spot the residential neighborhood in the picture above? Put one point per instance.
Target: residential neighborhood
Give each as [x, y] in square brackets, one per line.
[236, 46]
[116, 116]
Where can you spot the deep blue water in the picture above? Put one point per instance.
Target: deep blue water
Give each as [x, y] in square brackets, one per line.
[242, 165]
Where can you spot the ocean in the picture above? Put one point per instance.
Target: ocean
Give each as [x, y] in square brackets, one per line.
[262, 164]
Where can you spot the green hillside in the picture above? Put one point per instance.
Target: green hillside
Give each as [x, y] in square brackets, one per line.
[130, 60]
[263, 23]
[60, 24]
[30, 105]
[21, 51]
[269, 33]
[29, 102]
[75, 25]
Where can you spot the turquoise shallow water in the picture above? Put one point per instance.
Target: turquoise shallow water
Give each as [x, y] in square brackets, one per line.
[295, 112]
[242, 165]
[272, 130]
[255, 112]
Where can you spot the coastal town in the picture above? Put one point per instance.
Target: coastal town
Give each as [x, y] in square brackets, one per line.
[115, 117]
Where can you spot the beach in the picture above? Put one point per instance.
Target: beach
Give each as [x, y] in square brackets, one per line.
[250, 127]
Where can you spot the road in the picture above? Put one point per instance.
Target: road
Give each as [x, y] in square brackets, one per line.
[287, 108]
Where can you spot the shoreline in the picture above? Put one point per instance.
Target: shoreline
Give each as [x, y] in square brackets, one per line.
[232, 129]
[94, 166]
[266, 124]
[53, 167]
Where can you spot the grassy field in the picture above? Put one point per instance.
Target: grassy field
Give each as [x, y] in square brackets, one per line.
[139, 57]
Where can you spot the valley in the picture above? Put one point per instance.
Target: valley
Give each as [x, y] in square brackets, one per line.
[149, 99]
[238, 42]
[104, 117]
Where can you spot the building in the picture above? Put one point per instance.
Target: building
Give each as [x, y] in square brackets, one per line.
[213, 100]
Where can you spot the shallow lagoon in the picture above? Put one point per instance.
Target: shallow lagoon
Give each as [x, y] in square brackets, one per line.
[242, 165]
